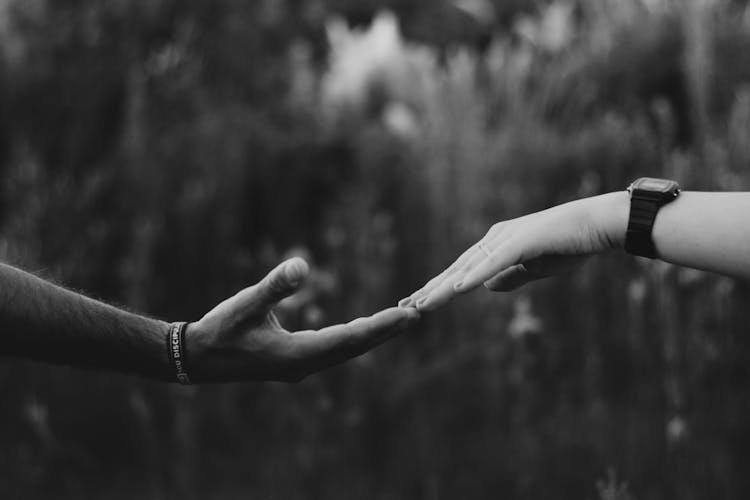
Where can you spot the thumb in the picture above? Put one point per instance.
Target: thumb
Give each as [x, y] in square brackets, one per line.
[281, 282]
[509, 279]
[259, 299]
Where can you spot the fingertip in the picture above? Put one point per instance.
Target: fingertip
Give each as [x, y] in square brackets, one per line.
[296, 269]
[495, 285]
[492, 283]
[470, 282]
[398, 316]
[391, 315]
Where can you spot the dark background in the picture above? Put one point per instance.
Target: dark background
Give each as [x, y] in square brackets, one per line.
[162, 155]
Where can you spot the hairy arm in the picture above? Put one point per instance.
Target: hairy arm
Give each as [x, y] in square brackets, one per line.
[44, 322]
[239, 339]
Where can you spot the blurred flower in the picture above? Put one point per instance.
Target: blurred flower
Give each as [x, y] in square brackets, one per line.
[524, 322]
[400, 120]
[13, 43]
[676, 430]
[166, 58]
[360, 60]
[37, 415]
[313, 316]
[481, 11]
[553, 30]
[637, 290]
[612, 488]
[687, 276]
[358, 56]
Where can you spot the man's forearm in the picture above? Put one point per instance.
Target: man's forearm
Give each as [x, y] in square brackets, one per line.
[41, 321]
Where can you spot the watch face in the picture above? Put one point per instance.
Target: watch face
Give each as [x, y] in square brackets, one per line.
[651, 184]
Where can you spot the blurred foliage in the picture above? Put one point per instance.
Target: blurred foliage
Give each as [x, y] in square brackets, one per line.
[163, 154]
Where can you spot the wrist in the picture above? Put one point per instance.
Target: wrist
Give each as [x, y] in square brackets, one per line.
[161, 367]
[611, 218]
[181, 352]
[197, 345]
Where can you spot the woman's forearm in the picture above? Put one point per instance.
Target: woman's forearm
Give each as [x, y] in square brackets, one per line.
[702, 230]
[45, 322]
[708, 231]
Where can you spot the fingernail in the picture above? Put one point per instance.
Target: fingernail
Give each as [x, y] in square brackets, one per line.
[294, 271]
[422, 301]
[458, 285]
[405, 302]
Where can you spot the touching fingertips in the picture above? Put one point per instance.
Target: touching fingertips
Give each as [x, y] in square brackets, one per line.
[412, 314]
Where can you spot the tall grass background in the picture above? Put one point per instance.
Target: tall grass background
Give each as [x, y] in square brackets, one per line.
[162, 156]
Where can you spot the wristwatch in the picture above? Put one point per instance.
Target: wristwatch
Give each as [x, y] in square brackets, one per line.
[647, 196]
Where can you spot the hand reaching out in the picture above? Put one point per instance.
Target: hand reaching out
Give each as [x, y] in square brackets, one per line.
[528, 248]
[241, 338]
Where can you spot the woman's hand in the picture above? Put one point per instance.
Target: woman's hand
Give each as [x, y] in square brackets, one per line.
[241, 339]
[535, 246]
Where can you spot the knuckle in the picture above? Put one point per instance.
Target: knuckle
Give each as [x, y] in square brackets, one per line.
[492, 258]
[460, 274]
[276, 284]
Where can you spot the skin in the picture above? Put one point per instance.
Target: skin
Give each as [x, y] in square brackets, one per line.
[240, 339]
[702, 230]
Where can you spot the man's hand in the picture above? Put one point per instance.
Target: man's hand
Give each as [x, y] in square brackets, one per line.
[241, 339]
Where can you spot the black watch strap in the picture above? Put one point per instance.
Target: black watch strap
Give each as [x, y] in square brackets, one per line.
[643, 209]
[647, 196]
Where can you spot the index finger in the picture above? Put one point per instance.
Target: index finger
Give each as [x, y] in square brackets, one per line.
[440, 278]
[336, 344]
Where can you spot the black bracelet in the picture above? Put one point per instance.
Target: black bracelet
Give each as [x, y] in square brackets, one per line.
[176, 349]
